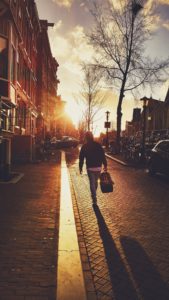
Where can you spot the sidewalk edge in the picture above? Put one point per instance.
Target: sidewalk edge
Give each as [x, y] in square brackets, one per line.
[70, 277]
[88, 277]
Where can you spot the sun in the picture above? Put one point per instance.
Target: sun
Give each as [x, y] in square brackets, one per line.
[74, 111]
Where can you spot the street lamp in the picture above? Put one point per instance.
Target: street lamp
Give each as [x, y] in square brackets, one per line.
[145, 103]
[107, 126]
[136, 6]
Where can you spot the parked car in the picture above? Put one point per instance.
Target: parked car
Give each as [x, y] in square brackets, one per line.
[53, 142]
[159, 158]
[67, 142]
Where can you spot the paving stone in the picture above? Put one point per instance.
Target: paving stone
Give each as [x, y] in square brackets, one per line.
[29, 219]
[127, 235]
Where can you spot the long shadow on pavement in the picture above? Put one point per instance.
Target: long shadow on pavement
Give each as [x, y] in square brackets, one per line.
[151, 285]
[121, 284]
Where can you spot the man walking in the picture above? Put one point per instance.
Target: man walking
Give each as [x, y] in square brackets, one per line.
[94, 154]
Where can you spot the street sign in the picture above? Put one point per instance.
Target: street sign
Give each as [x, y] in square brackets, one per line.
[107, 124]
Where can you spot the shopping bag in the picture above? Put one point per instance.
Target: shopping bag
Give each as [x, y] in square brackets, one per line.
[106, 182]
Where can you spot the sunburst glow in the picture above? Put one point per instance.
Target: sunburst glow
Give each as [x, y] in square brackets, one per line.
[74, 111]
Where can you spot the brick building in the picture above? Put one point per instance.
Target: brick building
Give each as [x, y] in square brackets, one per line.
[156, 120]
[28, 82]
[47, 85]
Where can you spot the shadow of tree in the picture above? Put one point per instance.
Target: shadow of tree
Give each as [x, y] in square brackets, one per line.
[122, 286]
[149, 281]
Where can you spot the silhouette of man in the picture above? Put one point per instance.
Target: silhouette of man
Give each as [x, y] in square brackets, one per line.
[94, 155]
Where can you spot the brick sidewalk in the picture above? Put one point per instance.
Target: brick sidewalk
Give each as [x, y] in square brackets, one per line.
[93, 252]
[29, 217]
[124, 240]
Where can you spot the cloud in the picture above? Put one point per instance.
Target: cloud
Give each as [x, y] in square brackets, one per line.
[151, 5]
[59, 44]
[82, 4]
[65, 3]
[69, 50]
[152, 10]
[58, 25]
[81, 50]
[166, 2]
[155, 22]
[166, 25]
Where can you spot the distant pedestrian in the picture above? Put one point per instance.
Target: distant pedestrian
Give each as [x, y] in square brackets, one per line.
[94, 155]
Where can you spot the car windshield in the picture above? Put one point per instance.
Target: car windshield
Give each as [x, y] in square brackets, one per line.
[163, 146]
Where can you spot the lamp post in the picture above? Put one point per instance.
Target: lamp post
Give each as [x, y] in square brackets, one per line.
[145, 103]
[107, 126]
[136, 7]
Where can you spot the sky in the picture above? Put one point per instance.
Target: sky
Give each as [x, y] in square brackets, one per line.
[71, 20]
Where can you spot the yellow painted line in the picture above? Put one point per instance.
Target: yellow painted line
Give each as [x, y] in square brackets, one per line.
[70, 280]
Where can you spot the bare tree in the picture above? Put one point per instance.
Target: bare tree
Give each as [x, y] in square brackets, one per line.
[119, 36]
[91, 94]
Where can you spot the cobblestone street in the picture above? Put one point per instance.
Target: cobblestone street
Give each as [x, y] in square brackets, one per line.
[125, 239]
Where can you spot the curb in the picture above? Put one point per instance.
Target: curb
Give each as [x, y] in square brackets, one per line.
[70, 277]
[15, 178]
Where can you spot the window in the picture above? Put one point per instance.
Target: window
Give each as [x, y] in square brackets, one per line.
[17, 116]
[13, 55]
[4, 27]
[4, 119]
[28, 82]
[18, 66]
[20, 13]
[10, 121]
[20, 115]
[3, 58]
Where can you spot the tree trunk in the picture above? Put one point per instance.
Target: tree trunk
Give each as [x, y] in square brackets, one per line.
[88, 125]
[89, 113]
[119, 117]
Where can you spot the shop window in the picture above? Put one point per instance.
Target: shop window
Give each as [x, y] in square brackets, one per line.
[3, 58]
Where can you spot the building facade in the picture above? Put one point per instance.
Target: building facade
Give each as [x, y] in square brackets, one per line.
[28, 82]
[156, 118]
[47, 89]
